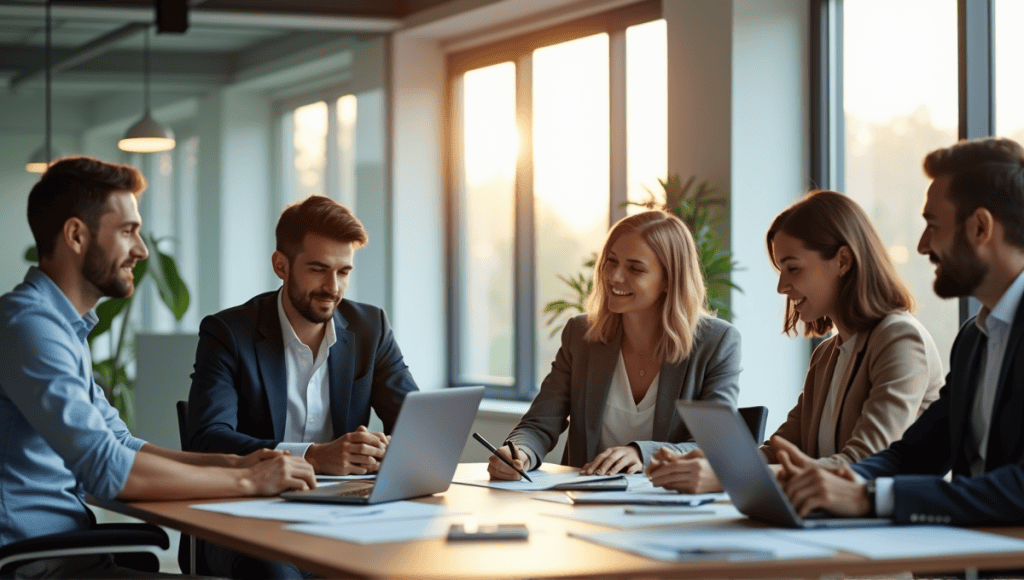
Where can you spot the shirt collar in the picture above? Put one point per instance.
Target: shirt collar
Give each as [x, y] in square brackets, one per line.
[55, 297]
[288, 333]
[1006, 308]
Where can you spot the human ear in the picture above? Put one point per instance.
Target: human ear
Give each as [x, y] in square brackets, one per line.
[76, 235]
[983, 222]
[845, 260]
[280, 263]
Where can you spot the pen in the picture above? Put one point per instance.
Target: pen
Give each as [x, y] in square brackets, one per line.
[718, 553]
[654, 510]
[500, 456]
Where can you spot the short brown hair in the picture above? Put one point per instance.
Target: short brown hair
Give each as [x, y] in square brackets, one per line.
[685, 297]
[76, 187]
[825, 221]
[317, 215]
[985, 173]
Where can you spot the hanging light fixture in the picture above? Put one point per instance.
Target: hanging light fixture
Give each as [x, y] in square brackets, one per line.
[147, 136]
[40, 159]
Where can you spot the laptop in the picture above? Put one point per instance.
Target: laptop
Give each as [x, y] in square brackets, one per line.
[429, 436]
[732, 452]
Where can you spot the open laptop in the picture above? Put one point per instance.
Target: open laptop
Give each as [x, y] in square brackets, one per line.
[732, 452]
[429, 435]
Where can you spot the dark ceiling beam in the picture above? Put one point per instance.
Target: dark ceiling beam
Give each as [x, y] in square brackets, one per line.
[86, 52]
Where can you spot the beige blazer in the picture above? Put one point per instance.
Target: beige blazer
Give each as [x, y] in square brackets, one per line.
[899, 376]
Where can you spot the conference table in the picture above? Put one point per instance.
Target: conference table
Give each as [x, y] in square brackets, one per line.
[548, 553]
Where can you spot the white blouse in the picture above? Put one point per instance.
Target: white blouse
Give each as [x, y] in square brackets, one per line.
[827, 427]
[625, 421]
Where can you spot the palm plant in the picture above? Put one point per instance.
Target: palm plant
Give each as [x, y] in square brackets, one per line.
[694, 206]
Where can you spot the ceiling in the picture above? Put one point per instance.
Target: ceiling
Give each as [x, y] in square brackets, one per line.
[97, 45]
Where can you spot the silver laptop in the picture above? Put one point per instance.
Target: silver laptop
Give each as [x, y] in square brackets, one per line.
[732, 452]
[429, 436]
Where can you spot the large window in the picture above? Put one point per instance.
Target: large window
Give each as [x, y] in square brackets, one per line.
[551, 133]
[319, 150]
[1009, 82]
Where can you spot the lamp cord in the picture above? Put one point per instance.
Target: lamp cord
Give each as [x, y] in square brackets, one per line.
[145, 70]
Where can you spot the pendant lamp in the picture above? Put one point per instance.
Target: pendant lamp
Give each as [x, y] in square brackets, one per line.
[147, 136]
[40, 159]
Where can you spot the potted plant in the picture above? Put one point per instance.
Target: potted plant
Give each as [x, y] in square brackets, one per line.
[693, 205]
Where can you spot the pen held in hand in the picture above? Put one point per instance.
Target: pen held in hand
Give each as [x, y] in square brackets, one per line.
[494, 452]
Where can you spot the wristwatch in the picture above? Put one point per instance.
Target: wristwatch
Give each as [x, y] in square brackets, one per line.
[869, 488]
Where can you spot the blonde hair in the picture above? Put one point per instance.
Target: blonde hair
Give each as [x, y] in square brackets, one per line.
[685, 299]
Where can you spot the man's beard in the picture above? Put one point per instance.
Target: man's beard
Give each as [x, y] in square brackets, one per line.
[304, 304]
[961, 271]
[105, 276]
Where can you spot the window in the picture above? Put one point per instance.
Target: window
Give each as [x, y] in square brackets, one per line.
[1009, 84]
[899, 101]
[319, 141]
[551, 133]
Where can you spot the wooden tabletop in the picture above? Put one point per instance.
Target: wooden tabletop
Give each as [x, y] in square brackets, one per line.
[549, 551]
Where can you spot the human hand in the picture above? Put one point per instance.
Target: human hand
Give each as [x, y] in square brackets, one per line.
[811, 487]
[278, 473]
[685, 473]
[498, 469]
[615, 460]
[355, 453]
[251, 459]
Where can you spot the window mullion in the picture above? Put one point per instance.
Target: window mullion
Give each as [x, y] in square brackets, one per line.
[525, 261]
[618, 179]
[332, 152]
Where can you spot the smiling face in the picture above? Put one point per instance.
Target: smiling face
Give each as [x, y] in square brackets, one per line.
[115, 247]
[809, 281]
[634, 277]
[316, 279]
[958, 268]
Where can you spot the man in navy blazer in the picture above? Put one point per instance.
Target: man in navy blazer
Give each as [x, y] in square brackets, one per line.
[300, 368]
[974, 234]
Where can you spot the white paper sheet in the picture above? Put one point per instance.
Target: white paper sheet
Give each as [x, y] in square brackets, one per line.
[379, 532]
[544, 481]
[700, 544]
[291, 511]
[908, 541]
[648, 496]
[623, 516]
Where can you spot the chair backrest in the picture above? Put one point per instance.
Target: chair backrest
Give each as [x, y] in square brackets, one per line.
[182, 407]
[756, 419]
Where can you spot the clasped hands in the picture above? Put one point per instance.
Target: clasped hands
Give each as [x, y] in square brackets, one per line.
[355, 453]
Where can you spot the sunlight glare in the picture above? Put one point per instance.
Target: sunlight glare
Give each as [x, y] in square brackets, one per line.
[490, 138]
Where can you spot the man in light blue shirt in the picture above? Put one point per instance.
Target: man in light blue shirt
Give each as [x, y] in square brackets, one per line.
[974, 234]
[60, 437]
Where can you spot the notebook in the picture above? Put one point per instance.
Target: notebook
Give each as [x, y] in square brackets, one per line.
[732, 452]
[430, 433]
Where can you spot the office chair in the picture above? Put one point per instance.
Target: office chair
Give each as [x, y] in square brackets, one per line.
[756, 419]
[190, 549]
[133, 546]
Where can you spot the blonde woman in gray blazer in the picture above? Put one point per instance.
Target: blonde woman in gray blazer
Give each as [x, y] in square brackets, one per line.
[646, 341]
[866, 383]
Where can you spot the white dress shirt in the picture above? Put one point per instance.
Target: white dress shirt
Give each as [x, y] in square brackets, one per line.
[308, 418]
[996, 325]
[624, 420]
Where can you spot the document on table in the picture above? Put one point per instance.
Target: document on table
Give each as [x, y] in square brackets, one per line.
[544, 481]
[908, 541]
[293, 511]
[701, 544]
[644, 516]
[648, 496]
[377, 532]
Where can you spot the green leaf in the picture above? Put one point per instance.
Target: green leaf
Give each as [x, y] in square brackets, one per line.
[107, 311]
[177, 296]
[32, 254]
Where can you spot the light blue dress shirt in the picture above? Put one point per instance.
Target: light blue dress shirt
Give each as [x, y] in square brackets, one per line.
[59, 437]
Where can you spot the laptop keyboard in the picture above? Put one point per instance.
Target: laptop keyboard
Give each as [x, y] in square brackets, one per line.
[361, 492]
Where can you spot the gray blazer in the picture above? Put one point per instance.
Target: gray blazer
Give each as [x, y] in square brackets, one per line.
[575, 392]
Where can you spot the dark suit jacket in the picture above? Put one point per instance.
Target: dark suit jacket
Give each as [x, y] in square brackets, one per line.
[934, 444]
[575, 392]
[238, 399]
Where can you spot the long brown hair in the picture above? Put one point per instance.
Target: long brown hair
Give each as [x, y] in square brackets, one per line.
[825, 221]
[685, 294]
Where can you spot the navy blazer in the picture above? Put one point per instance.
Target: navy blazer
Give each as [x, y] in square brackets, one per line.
[238, 399]
[934, 444]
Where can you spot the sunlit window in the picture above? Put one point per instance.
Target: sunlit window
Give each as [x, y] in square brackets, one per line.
[900, 102]
[646, 110]
[346, 115]
[487, 201]
[309, 150]
[1009, 82]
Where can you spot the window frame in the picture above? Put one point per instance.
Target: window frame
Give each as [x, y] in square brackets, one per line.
[519, 50]
[975, 88]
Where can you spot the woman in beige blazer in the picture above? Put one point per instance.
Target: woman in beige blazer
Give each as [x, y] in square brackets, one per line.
[873, 377]
[645, 342]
